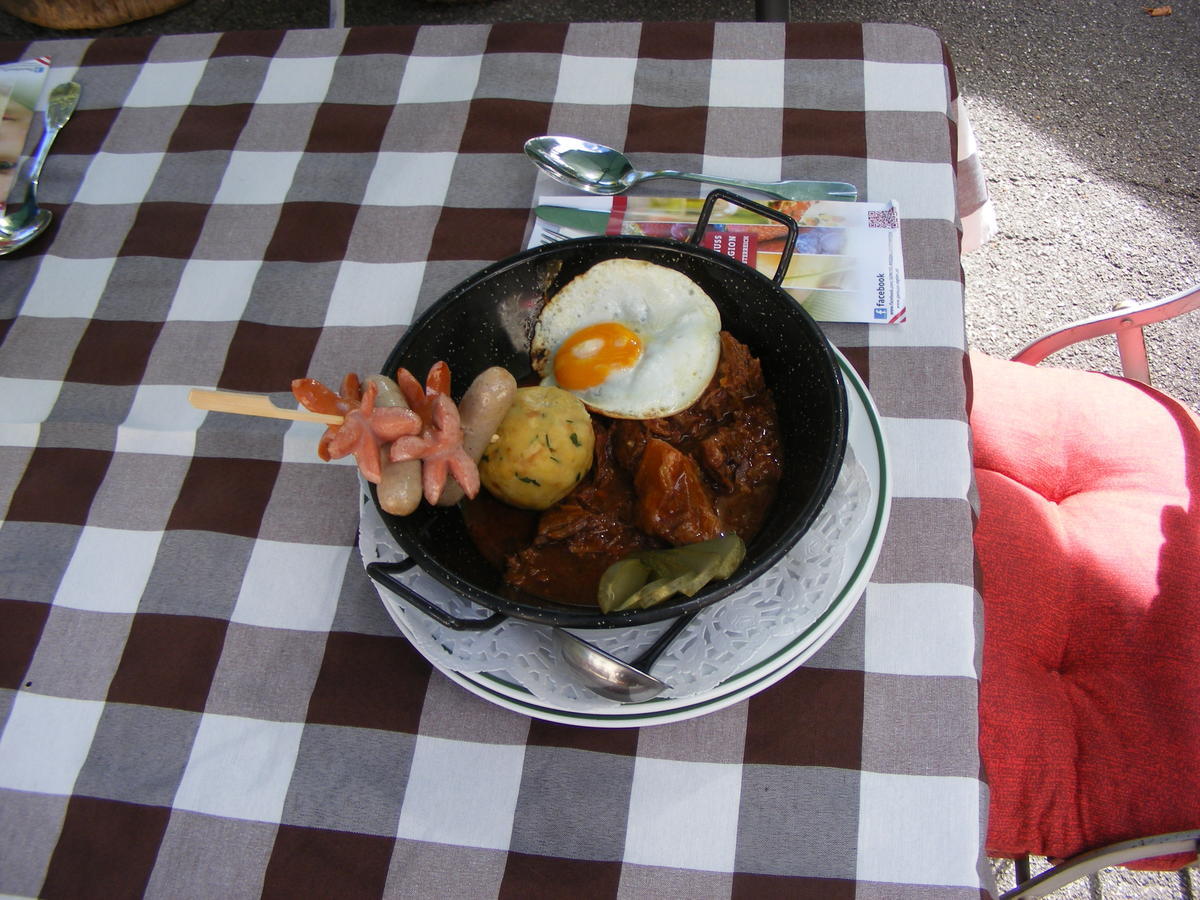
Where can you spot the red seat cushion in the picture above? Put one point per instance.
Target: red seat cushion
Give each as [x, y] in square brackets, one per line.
[1089, 543]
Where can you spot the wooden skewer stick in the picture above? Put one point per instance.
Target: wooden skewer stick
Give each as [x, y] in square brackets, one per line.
[253, 405]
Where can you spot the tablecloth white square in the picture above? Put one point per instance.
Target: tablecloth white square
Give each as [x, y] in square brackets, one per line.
[366, 294]
[160, 420]
[921, 190]
[118, 178]
[731, 78]
[297, 79]
[258, 177]
[108, 570]
[213, 290]
[45, 742]
[439, 79]
[166, 83]
[919, 473]
[903, 87]
[916, 629]
[444, 785]
[292, 586]
[683, 814]
[24, 405]
[239, 768]
[599, 80]
[921, 830]
[68, 288]
[409, 179]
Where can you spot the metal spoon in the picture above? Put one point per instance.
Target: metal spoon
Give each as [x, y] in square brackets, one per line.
[26, 222]
[22, 236]
[598, 169]
[604, 674]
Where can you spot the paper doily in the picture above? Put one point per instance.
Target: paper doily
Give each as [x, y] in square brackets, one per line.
[725, 638]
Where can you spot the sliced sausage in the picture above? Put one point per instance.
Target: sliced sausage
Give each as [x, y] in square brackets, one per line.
[399, 489]
[482, 408]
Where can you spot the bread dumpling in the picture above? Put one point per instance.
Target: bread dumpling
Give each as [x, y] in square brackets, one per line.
[541, 450]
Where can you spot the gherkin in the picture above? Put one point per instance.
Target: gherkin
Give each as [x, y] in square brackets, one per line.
[627, 584]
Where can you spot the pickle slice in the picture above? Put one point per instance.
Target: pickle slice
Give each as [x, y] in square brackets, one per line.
[683, 570]
[620, 581]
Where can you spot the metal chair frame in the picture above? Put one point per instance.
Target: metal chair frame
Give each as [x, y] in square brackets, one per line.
[1093, 861]
[1125, 322]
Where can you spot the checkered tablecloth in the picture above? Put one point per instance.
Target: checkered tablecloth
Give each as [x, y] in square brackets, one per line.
[201, 694]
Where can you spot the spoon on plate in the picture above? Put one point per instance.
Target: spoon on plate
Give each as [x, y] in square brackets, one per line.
[604, 674]
[598, 169]
[27, 221]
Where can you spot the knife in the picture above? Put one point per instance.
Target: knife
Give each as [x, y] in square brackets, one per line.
[591, 220]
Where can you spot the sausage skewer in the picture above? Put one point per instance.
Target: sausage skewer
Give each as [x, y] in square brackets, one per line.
[425, 467]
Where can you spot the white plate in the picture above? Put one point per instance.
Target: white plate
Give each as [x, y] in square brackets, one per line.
[778, 659]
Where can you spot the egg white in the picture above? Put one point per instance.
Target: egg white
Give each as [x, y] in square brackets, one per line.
[678, 324]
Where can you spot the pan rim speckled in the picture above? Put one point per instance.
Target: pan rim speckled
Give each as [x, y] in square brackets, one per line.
[423, 535]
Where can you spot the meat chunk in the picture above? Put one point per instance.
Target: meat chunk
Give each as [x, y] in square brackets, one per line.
[579, 537]
[743, 451]
[672, 503]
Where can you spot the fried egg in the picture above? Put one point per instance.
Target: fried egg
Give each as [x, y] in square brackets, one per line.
[631, 339]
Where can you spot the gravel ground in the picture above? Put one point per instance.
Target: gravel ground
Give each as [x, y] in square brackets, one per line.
[1088, 120]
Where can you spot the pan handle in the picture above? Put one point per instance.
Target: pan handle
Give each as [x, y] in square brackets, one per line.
[382, 573]
[765, 211]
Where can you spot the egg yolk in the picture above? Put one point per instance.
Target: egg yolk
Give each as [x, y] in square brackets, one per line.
[591, 354]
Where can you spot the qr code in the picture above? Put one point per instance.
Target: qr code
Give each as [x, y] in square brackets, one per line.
[883, 218]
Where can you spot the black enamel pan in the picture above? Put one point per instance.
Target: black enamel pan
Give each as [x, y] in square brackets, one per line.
[487, 320]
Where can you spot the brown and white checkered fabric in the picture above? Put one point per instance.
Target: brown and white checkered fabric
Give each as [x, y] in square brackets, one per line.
[200, 693]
